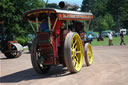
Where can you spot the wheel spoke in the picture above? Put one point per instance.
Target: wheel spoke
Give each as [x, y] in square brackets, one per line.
[39, 60]
[77, 64]
[76, 58]
[74, 61]
[73, 57]
[14, 53]
[74, 43]
[75, 47]
[78, 52]
[88, 55]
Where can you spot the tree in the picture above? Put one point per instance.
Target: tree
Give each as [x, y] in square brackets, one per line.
[84, 6]
[97, 7]
[12, 13]
[123, 13]
[109, 20]
[103, 20]
[52, 5]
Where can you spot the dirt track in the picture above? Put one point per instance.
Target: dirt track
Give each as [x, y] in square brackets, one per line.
[110, 67]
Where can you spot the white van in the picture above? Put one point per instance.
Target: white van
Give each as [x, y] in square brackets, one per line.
[123, 30]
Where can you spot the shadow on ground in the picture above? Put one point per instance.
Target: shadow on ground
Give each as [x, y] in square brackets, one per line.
[26, 53]
[6, 58]
[30, 74]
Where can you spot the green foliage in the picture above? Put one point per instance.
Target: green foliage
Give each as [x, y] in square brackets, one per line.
[109, 20]
[108, 14]
[119, 10]
[97, 7]
[104, 22]
[11, 12]
[22, 40]
[52, 5]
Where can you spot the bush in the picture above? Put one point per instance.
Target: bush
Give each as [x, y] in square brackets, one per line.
[22, 40]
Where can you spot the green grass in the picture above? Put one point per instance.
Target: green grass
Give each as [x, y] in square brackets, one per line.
[116, 41]
[25, 48]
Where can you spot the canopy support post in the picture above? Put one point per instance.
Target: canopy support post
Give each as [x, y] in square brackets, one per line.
[32, 26]
[37, 25]
[67, 22]
[54, 24]
[88, 25]
[49, 23]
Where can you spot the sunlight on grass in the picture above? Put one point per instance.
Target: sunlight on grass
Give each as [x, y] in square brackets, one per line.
[116, 41]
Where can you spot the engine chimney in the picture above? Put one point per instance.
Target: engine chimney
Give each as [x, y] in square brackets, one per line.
[67, 6]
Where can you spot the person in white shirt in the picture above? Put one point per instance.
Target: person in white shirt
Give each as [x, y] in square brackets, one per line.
[110, 38]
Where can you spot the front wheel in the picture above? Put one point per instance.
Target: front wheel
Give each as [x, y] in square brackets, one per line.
[88, 54]
[73, 52]
[13, 54]
[37, 59]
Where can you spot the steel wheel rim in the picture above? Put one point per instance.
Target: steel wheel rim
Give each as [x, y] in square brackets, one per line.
[77, 52]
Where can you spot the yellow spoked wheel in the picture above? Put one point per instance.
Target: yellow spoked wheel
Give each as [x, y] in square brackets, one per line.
[88, 54]
[73, 51]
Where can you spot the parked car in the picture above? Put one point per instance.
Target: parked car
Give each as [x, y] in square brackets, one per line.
[100, 38]
[123, 30]
[116, 34]
[94, 35]
[105, 33]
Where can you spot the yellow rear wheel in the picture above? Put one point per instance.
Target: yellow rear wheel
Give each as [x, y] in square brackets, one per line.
[88, 54]
[73, 50]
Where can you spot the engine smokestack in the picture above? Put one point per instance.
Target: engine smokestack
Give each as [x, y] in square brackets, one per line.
[67, 6]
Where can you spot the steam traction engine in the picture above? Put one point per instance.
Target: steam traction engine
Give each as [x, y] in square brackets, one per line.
[68, 47]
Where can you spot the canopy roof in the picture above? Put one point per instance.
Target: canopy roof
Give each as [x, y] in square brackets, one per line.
[61, 14]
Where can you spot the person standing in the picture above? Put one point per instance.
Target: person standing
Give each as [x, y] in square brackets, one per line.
[89, 38]
[122, 38]
[110, 39]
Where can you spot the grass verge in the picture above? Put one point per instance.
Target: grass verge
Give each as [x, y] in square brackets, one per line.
[116, 41]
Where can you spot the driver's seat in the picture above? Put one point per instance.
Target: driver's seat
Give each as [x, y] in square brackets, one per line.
[46, 49]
